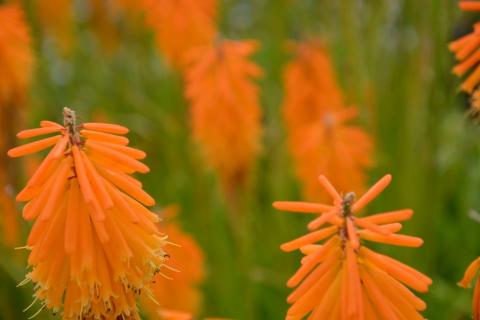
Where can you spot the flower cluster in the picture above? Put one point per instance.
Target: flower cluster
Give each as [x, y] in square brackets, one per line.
[93, 246]
[343, 279]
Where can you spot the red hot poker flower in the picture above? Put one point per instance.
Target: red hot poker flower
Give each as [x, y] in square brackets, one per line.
[225, 107]
[341, 278]
[93, 245]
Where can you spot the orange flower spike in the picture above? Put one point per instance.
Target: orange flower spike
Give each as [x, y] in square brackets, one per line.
[193, 19]
[16, 55]
[91, 242]
[225, 107]
[320, 137]
[341, 278]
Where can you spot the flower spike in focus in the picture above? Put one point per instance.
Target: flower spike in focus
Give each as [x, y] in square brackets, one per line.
[93, 245]
[341, 278]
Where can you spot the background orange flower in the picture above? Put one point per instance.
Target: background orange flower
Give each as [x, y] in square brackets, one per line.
[320, 136]
[225, 110]
[181, 25]
[181, 292]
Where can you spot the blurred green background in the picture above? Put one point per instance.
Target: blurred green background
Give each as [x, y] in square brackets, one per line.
[392, 61]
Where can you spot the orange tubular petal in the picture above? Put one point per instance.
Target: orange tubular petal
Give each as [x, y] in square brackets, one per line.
[365, 224]
[460, 42]
[470, 273]
[352, 234]
[71, 224]
[97, 183]
[309, 238]
[463, 67]
[398, 270]
[117, 156]
[106, 127]
[310, 248]
[393, 239]
[304, 207]
[121, 203]
[372, 193]
[126, 186]
[395, 288]
[131, 152]
[469, 5]
[330, 189]
[30, 133]
[382, 304]
[312, 260]
[326, 304]
[355, 306]
[472, 81]
[87, 191]
[57, 191]
[320, 274]
[389, 217]
[46, 124]
[106, 137]
[318, 222]
[43, 172]
[305, 297]
[81, 172]
[33, 147]
[32, 209]
[468, 48]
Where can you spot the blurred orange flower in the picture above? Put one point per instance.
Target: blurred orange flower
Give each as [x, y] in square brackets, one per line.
[180, 293]
[341, 278]
[470, 273]
[16, 56]
[469, 5]
[225, 108]
[180, 25]
[57, 22]
[93, 245]
[320, 139]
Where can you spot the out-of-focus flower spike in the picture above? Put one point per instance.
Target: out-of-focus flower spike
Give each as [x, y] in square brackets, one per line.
[225, 108]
